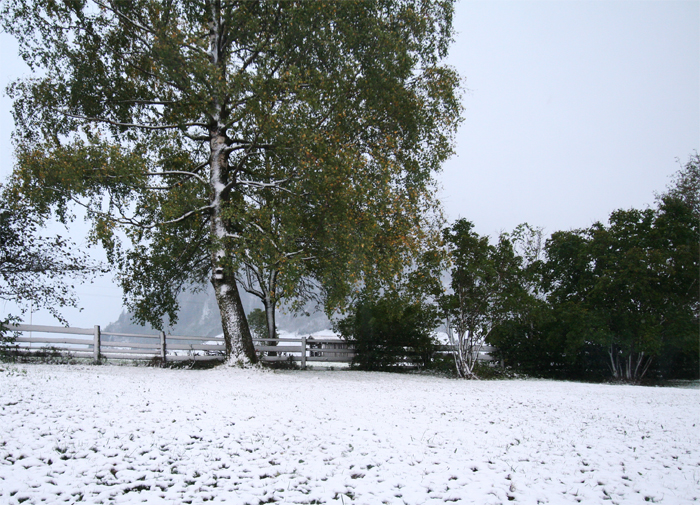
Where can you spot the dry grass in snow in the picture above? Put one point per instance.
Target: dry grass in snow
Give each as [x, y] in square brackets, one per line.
[108, 434]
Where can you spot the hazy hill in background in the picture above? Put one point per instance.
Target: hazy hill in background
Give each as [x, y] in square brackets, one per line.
[199, 316]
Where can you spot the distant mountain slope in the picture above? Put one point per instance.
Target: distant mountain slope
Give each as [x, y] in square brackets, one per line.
[199, 316]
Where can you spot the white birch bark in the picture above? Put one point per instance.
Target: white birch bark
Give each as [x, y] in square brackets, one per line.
[239, 342]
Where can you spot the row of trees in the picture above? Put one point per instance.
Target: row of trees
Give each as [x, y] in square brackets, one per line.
[616, 300]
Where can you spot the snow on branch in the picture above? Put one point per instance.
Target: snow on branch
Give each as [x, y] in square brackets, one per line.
[262, 185]
[124, 220]
[180, 172]
[137, 125]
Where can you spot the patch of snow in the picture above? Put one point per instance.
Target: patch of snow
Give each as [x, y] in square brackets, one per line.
[109, 434]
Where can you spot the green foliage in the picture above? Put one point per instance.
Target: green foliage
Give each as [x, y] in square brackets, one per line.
[36, 269]
[8, 338]
[686, 185]
[632, 285]
[258, 323]
[486, 290]
[390, 331]
[620, 300]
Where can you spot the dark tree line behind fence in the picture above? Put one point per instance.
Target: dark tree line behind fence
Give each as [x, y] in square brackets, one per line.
[613, 301]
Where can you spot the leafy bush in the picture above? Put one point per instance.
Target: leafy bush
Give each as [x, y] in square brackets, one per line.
[389, 332]
[257, 321]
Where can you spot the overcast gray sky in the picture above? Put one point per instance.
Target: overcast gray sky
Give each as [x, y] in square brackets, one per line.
[572, 109]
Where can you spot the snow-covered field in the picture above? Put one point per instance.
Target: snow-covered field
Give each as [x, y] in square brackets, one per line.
[109, 434]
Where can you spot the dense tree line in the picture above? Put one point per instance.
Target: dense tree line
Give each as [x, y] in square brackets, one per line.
[613, 301]
[619, 300]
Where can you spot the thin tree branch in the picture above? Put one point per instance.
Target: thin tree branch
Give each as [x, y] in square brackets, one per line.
[134, 125]
[126, 18]
[179, 172]
[133, 222]
[197, 138]
[261, 185]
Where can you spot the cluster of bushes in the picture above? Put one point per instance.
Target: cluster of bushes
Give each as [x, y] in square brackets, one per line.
[617, 301]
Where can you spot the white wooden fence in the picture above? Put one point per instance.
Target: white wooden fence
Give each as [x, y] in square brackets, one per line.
[98, 345]
[335, 351]
[308, 349]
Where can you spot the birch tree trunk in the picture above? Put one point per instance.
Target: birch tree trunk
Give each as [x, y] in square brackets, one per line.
[239, 342]
[270, 303]
[630, 368]
[237, 337]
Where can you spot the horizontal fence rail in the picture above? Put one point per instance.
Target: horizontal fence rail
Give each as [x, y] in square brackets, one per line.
[98, 345]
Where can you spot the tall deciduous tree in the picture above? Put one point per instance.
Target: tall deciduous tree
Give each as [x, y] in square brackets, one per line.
[171, 120]
[686, 185]
[486, 289]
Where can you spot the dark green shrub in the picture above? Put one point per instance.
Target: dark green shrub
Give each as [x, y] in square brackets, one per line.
[390, 332]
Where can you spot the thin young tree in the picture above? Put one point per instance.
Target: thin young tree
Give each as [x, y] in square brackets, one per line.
[485, 289]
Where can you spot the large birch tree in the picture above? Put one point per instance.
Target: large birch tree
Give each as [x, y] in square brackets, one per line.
[166, 120]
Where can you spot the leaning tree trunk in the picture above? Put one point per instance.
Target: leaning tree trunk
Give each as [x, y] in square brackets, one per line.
[239, 342]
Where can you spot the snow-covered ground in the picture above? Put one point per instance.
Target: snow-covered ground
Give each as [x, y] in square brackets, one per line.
[109, 434]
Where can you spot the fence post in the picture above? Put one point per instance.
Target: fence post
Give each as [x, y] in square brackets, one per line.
[162, 347]
[303, 352]
[96, 344]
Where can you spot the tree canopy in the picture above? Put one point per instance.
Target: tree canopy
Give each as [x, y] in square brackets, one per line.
[486, 291]
[201, 136]
[621, 296]
[35, 269]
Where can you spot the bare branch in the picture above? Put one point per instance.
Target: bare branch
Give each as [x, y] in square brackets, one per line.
[197, 138]
[238, 144]
[267, 235]
[171, 221]
[146, 102]
[262, 185]
[297, 253]
[249, 289]
[257, 271]
[133, 222]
